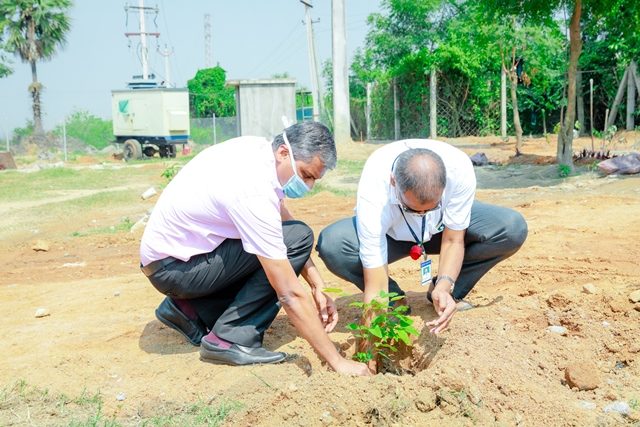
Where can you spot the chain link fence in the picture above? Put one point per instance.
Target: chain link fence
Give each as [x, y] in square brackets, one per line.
[401, 109]
[212, 130]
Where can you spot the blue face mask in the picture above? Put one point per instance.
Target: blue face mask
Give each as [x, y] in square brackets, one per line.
[295, 187]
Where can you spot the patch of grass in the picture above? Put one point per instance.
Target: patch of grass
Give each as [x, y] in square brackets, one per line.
[564, 170]
[123, 227]
[20, 186]
[350, 167]
[198, 414]
[320, 187]
[22, 404]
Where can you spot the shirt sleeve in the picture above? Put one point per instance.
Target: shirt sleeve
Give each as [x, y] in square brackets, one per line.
[457, 212]
[259, 225]
[372, 223]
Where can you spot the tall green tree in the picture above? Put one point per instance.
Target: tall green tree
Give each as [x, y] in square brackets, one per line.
[545, 9]
[5, 69]
[209, 94]
[34, 30]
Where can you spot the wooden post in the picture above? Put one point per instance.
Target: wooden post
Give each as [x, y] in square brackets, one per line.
[503, 104]
[636, 79]
[396, 111]
[617, 100]
[606, 119]
[580, 103]
[591, 111]
[631, 96]
[367, 110]
[544, 122]
[433, 110]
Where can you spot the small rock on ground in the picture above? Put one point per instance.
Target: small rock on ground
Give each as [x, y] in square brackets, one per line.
[42, 312]
[40, 246]
[620, 407]
[582, 375]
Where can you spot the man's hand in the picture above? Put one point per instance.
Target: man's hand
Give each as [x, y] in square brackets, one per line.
[445, 306]
[326, 309]
[351, 367]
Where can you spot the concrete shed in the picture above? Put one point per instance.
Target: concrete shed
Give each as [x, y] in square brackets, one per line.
[260, 105]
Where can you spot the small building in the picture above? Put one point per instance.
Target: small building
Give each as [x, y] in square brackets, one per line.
[262, 104]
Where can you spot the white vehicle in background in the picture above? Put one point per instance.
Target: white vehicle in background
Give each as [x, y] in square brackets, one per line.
[150, 120]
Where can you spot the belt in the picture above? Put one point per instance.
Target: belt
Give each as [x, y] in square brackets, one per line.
[154, 266]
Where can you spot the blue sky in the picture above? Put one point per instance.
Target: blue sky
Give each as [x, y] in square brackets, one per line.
[250, 39]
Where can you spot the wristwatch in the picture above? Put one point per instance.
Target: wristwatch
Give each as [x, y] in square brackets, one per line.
[448, 279]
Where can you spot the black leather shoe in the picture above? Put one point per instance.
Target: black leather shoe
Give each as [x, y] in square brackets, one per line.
[170, 315]
[238, 354]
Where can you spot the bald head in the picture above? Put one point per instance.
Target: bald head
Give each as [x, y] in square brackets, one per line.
[422, 172]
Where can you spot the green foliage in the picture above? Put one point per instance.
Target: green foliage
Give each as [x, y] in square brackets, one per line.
[33, 30]
[171, 171]
[209, 95]
[564, 170]
[89, 129]
[386, 330]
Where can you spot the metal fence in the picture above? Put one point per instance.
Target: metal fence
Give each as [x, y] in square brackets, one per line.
[212, 130]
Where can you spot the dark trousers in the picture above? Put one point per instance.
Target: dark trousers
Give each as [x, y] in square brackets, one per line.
[494, 234]
[228, 287]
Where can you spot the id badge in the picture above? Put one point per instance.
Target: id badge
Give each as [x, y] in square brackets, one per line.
[425, 272]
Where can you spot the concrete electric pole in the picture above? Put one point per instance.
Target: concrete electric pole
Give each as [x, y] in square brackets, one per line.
[313, 63]
[208, 54]
[144, 54]
[341, 113]
[166, 53]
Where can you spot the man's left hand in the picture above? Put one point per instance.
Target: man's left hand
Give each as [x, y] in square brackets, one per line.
[445, 306]
[326, 309]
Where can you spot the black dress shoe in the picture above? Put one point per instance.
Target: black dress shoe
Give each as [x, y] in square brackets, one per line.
[170, 315]
[238, 354]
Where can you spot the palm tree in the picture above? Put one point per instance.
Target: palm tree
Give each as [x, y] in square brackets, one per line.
[34, 29]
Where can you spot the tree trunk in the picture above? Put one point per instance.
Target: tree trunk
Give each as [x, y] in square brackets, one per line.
[617, 100]
[513, 78]
[565, 138]
[631, 96]
[35, 89]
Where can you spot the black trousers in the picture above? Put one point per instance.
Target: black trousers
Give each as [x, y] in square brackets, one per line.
[229, 288]
[494, 234]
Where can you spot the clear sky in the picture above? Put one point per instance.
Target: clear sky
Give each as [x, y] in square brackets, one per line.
[251, 39]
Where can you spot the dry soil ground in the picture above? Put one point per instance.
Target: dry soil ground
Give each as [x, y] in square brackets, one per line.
[497, 364]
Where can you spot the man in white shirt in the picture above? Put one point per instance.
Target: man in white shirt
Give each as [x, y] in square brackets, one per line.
[223, 248]
[416, 198]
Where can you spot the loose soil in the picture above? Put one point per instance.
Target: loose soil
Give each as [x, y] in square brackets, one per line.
[497, 364]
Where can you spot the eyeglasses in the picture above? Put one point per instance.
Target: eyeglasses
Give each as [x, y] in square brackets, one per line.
[407, 209]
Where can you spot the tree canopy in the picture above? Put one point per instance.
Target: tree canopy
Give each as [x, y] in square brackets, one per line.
[34, 30]
[466, 41]
[209, 95]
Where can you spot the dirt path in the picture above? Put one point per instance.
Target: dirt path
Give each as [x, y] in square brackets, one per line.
[498, 363]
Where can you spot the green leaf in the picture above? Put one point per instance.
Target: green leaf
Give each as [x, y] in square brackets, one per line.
[376, 331]
[404, 337]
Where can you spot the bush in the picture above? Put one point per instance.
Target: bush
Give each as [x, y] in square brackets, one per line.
[89, 129]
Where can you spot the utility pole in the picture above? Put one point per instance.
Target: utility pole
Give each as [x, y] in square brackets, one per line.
[208, 54]
[396, 111]
[144, 54]
[341, 113]
[166, 53]
[313, 64]
[367, 110]
[503, 104]
[433, 108]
